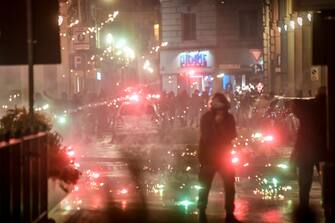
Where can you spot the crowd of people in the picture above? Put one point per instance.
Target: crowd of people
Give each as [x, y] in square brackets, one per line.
[250, 109]
[218, 117]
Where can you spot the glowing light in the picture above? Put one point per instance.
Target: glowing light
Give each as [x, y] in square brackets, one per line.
[275, 181]
[146, 64]
[299, 21]
[116, 13]
[95, 175]
[109, 39]
[124, 191]
[185, 203]
[164, 44]
[268, 138]
[197, 187]
[134, 97]
[282, 166]
[124, 205]
[76, 165]
[233, 152]
[220, 75]
[235, 160]
[309, 17]
[258, 135]
[45, 107]
[60, 20]
[191, 72]
[279, 29]
[292, 24]
[285, 27]
[74, 23]
[68, 208]
[246, 164]
[71, 153]
[129, 52]
[120, 43]
[99, 76]
[62, 120]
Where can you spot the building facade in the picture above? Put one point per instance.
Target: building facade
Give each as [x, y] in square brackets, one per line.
[212, 44]
[290, 50]
[50, 78]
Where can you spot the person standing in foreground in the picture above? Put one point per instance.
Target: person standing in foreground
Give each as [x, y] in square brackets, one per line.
[217, 130]
[311, 144]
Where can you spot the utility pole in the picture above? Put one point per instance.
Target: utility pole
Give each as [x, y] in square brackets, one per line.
[30, 56]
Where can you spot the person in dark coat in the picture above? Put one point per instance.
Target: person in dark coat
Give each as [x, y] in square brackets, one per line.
[195, 106]
[310, 148]
[217, 130]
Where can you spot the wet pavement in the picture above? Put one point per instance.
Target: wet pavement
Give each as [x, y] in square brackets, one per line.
[110, 188]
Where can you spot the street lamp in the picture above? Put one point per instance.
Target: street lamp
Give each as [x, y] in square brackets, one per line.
[109, 39]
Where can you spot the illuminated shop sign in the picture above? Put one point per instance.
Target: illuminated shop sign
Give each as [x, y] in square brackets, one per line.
[194, 59]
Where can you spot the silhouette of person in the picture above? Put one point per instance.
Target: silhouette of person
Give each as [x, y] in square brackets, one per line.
[310, 148]
[217, 130]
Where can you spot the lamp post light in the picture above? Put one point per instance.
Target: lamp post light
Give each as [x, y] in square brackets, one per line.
[109, 39]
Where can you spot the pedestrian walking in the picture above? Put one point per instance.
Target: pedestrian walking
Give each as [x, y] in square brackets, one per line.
[217, 129]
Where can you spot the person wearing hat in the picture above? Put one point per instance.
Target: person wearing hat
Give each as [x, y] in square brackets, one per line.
[217, 130]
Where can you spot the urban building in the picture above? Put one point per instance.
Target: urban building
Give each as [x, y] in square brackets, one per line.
[50, 78]
[290, 46]
[84, 29]
[213, 45]
[129, 25]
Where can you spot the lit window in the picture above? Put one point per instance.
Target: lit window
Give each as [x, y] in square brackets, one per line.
[156, 32]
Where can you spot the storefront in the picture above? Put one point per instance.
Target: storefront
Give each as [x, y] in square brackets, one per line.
[187, 70]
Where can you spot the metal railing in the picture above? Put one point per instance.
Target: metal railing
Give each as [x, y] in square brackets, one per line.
[23, 179]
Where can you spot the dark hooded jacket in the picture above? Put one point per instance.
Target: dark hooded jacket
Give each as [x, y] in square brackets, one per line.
[215, 136]
[311, 143]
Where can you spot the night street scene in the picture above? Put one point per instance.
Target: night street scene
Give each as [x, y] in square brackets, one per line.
[167, 111]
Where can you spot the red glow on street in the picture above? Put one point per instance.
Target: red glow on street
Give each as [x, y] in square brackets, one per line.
[235, 160]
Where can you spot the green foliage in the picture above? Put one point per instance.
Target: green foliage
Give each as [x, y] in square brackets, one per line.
[17, 123]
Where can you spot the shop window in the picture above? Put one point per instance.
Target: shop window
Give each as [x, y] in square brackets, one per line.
[249, 24]
[189, 26]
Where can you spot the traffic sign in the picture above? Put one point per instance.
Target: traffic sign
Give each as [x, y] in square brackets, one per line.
[78, 62]
[256, 53]
[81, 39]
